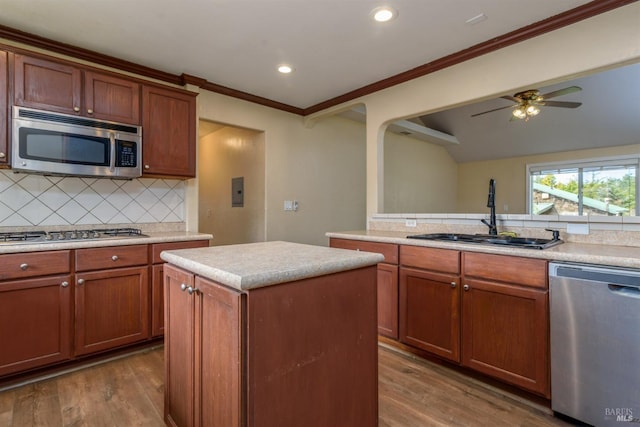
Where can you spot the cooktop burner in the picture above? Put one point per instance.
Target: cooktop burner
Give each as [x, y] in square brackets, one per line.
[61, 236]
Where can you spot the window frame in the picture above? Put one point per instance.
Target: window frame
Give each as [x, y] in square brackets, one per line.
[621, 161]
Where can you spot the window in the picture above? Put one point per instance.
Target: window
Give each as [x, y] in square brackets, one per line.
[599, 187]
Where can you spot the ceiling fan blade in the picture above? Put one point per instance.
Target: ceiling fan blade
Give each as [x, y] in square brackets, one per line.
[563, 104]
[512, 98]
[491, 111]
[560, 92]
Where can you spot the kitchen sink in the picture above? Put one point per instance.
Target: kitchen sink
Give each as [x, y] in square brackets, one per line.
[522, 242]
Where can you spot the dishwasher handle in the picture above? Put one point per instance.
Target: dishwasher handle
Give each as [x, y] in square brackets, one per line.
[625, 291]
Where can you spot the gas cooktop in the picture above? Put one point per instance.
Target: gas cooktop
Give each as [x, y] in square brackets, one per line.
[22, 237]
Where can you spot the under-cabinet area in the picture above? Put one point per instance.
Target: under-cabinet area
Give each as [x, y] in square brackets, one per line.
[62, 305]
[486, 312]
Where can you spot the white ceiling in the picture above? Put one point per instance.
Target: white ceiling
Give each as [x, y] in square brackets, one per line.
[334, 45]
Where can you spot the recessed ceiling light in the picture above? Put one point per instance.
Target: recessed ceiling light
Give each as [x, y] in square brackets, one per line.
[285, 69]
[384, 13]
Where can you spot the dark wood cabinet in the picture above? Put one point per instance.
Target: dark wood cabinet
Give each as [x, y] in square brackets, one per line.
[58, 86]
[301, 353]
[111, 297]
[430, 300]
[203, 353]
[169, 136]
[157, 280]
[4, 108]
[505, 319]
[387, 288]
[35, 310]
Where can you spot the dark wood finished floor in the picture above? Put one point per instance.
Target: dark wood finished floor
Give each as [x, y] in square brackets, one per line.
[129, 392]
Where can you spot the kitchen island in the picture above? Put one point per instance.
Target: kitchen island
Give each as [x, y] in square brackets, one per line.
[270, 334]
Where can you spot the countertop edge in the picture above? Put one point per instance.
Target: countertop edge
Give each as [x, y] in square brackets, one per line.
[620, 256]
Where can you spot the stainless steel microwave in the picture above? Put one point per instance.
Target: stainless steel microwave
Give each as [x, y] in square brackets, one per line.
[61, 144]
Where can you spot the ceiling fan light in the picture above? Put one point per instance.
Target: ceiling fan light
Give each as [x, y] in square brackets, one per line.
[532, 110]
[519, 113]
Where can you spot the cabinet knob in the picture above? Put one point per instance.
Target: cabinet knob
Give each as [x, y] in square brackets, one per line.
[2, 155]
[76, 109]
[146, 166]
[466, 287]
[191, 290]
[183, 287]
[24, 266]
[453, 284]
[114, 258]
[64, 284]
[89, 111]
[80, 282]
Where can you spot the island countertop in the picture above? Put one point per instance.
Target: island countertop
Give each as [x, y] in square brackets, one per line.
[254, 265]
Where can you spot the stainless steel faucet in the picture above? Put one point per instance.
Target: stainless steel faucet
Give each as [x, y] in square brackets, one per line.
[491, 203]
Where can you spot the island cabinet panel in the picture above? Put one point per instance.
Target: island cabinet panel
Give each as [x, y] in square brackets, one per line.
[203, 352]
[35, 323]
[169, 136]
[505, 319]
[157, 274]
[312, 352]
[387, 281]
[4, 108]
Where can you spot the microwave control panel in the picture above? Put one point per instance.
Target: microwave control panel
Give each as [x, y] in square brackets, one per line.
[126, 155]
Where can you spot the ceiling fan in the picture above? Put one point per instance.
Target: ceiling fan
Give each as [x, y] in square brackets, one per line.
[528, 102]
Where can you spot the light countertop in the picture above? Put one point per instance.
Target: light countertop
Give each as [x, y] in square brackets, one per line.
[254, 265]
[620, 256]
[156, 237]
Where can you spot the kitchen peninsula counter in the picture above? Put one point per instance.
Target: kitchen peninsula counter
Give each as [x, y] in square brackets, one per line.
[288, 332]
[620, 256]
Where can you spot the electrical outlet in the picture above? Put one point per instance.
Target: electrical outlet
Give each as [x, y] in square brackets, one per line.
[288, 205]
[411, 223]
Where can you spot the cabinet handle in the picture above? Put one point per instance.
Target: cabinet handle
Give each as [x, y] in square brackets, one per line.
[89, 111]
[24, 266]
[114, 258]
[146, 166]
[453, 284]
[466, 287]
[80, 282]
[76, 109]
[2, 155]
[183, 287]
[64, 284]
[191, 290]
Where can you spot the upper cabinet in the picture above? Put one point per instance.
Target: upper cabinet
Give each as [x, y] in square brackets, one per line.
[4, 104]
[58, 86]
[168, 132]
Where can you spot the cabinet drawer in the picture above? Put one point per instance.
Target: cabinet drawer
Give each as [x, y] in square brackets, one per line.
[389, 250]
[111, 257]
[504, 268]
[31, 264]
[443, 260]
[157, 248]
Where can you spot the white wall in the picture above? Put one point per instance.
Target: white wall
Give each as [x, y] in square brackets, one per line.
[322, 167]
[225, 154]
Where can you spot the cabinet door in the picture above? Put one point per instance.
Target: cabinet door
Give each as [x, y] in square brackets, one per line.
[4, 109]
[388, 300]
[48, 85]
[35, 323]
[429, 312]
[157, 300]
[112, 308]
[179, 351]
[505, 333]
[219, 338]
[169, 137]
[111, 98]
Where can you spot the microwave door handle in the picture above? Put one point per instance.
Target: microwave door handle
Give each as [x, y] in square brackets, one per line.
[112, 157]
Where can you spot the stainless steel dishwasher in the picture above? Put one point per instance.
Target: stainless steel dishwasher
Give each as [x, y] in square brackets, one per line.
[595, 343]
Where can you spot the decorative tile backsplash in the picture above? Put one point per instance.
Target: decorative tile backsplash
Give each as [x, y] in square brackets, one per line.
[29, 200]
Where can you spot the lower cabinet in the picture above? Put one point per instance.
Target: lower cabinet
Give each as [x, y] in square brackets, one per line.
[35, 323]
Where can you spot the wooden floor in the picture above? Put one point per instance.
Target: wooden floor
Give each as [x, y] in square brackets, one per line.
[129, 392]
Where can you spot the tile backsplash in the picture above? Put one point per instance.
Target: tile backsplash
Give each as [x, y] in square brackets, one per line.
[30, 200]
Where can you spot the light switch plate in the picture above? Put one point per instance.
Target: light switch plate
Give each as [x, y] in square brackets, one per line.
[411, 223]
